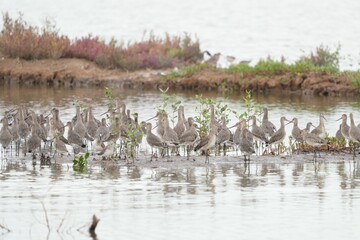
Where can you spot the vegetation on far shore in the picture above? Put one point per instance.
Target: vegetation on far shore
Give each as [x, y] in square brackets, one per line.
[18, 39]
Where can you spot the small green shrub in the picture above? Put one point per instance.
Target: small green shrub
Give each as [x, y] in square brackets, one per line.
[355, 78]
[80, 162]
[19, 40]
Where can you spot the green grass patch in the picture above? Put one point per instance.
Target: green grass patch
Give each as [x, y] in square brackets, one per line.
[273, 67]
[355, 78]
[187, 71]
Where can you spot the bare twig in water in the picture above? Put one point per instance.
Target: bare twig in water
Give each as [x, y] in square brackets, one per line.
[62, 221]
[94, 223]
[45, 213]
[81, 227]
[5, 228]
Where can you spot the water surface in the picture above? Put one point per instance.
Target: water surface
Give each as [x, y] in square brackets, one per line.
[256, 201]
[296, 200]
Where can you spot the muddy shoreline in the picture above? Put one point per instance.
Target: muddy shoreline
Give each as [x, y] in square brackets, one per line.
[73, 73]
[180, 162]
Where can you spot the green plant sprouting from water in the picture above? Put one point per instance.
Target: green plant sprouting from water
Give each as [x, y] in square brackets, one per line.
[203, 116]
[251, 107]
[170, 104]
[110, 97]
[133, 135]
[77, 102]
[80, 162]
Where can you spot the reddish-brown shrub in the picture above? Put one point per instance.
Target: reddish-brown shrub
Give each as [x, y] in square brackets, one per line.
[18, 39]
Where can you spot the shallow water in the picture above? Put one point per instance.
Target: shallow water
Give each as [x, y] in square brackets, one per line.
[258, 201]
[305, 108]
[296, 200]
[247, 29]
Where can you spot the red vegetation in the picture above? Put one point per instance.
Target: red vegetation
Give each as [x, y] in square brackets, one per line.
[19, 40]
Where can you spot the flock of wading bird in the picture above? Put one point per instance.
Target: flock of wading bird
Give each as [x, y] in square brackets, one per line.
[111, 136]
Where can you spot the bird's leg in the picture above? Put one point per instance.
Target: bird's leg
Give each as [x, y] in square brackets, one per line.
[224, 149]
[256, 145]
[51, 146]
[25, 148]
[188, 152]
[152, 154]
[354, 149]
[206, 156]
[314, 158]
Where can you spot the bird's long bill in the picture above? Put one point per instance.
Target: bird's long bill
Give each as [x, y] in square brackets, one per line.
[11, 110]
[47, 115]
[261, 113]
[63, 127]
[151, 118]
[105, 113]
[155, 126]
[233, 126]
[290, 122]
[339, 119]
[324, 118]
